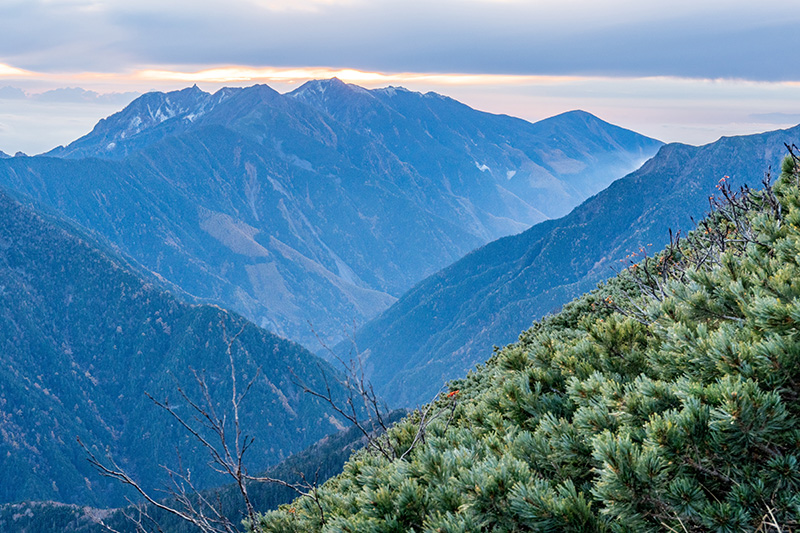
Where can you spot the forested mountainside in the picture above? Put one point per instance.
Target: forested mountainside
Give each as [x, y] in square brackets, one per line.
[317, 463]
[322, 205]
[443, 326]
[665, 400]
[83, 338]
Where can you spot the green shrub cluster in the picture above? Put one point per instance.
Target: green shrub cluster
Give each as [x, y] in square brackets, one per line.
[666, 400]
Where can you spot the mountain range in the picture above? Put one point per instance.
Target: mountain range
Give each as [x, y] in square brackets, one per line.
[312, 211]
[85, 337]
[442, 327]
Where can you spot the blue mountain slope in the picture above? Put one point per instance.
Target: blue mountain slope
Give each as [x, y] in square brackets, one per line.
[322, 205]
[83, 338]
[444, 325]
[145, 121]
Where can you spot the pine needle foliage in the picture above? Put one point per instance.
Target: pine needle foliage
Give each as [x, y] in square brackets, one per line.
[665, 400]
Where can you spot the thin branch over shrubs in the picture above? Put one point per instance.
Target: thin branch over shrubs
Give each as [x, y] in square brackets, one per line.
[727, 228]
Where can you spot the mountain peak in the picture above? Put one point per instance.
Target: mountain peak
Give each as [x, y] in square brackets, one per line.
[331, 95]
[122, 132]
[238, 101]
[398, 95]
[574, 114]
[334, 82]
[315, 89]
[186, 96]
[225, 93]
[260, 89]
[4, 155]
[391, 90]
[576, 122]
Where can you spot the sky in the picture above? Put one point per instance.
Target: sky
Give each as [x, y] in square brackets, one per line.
[686, 71]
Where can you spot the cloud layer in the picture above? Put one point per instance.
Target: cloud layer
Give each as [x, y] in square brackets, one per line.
[709, 39]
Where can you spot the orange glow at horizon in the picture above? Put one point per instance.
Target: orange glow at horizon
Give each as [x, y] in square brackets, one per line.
[670, 108]
[149, 78]
[8, 70]
[239, 74]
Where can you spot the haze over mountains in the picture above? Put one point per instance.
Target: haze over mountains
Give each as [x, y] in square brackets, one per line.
[443, 326]
[323, 205]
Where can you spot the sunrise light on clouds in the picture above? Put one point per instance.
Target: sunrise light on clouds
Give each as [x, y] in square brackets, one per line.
[236, 74]
[9, 71]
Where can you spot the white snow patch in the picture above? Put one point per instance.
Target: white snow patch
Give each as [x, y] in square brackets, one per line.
[277, 186]
[482, 168]
[111, 146]
[510, 174]
[224, 94]
[162, 115]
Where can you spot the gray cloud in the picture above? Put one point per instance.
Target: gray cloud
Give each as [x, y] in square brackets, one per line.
[79, 95]
[74, 95]
[776, 118]
[12, 93]
[734, 39]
